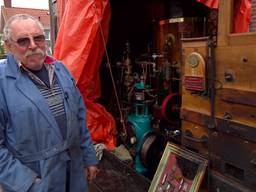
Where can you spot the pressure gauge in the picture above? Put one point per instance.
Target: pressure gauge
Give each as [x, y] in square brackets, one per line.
[194, 59]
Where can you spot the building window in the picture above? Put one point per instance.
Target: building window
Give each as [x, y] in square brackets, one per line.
[47, 34]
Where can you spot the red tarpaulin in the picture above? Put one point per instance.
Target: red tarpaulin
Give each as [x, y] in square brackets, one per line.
[210, 3]
[61, 4]
[242, 16]
[80, 47]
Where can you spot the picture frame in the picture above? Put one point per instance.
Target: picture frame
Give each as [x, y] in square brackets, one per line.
[179, 170]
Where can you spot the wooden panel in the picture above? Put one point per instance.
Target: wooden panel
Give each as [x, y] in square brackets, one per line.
[237, 129]
[197, 130]
[195, 137]
[238, 96]
[224, 183]
[195, 117]
[234, 157]
[242, 114]
[239, 60]
[236, 39]
[194, 42]
[194, 102]
[199, 122]
[238, 103]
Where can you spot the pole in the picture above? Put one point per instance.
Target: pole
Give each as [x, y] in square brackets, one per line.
[53, 31]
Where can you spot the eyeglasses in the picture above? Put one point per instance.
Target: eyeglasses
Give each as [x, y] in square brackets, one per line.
[25, 41]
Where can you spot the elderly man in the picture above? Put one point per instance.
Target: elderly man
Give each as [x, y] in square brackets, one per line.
[44, 143]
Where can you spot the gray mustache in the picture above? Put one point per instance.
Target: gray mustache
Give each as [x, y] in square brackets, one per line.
[37, 51]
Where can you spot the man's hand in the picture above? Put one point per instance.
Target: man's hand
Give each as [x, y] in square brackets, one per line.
[91, 172]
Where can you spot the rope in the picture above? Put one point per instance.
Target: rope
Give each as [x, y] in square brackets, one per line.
[111, 74]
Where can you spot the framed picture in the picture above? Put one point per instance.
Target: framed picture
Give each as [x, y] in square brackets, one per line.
[179, 170]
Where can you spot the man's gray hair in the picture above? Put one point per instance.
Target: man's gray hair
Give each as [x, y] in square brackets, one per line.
[7, 32]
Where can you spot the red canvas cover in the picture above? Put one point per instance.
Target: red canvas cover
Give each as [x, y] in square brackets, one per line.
[210, 3]
[242, 16]
[79, 45]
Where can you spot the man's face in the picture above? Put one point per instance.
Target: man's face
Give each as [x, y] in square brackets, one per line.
[27, 43]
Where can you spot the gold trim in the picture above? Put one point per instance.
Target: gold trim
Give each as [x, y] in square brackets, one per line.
[174, 20]
[180, 20]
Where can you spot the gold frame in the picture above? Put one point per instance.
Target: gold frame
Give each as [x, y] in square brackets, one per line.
[175, 150]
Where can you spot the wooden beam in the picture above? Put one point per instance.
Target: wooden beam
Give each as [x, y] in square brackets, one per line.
[224, 21]
[238, 96]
